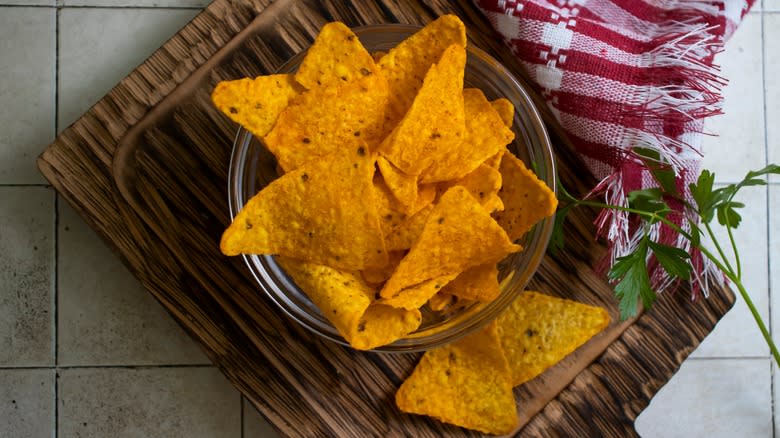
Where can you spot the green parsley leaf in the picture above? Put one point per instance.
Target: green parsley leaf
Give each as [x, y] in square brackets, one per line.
[662, 172]
[634, 284]
[672, 259]
[727, 214]
[650, 201]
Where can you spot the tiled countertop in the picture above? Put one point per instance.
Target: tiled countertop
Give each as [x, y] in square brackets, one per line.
[86, 352]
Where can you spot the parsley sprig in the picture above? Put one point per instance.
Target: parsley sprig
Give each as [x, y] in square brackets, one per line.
[630, 273]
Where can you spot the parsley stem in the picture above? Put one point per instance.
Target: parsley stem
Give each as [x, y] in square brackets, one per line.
[734, 248]
[717, 246]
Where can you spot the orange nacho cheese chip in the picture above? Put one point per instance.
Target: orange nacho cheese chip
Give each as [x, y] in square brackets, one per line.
[346, 301]
[458, 234]
[441, 301]
[414, 297]
[465, 383]
[337, 56]
[314, 213]
[483, 183]
[538, 330]
[526, 198]
[255, 103]
[485, 135]
[505, 110]
[479, 283]
[326, 120]
[402, 186]
[406, 64]
[434, 124]
[407, 232]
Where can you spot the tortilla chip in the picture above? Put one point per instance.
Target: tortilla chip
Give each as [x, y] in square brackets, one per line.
[537, 331]
[434, 125]
[441, 301]
[382, 325]
[404, 235]
[341, 296]
[505, 110]
[526, 198]
[255, 103]
[416, 296]
[329, 119]
[316, 213]
[485, 135]
[402, 186]
[483, 183]
[406, 65]
[458, 234]
[377, 276]
[337, 56]
[495, 160]
[479, 283]
[465, 383]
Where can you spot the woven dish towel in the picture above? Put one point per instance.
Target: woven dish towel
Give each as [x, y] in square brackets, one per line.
[627, 74]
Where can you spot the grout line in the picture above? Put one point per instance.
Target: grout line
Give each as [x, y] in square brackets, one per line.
[57, 73]
[56, 228]
[3, 5]
[773, 405]
[55, 432]
[111, 367]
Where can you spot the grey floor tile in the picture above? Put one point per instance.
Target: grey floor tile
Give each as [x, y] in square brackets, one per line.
[739, 144]
[99, 47]
[715, 398]
[255, 425]
[774, 259]
[26, 276]
[771, 5]
[27, 403]
[188, 402]
[772, 79]
[737, 334]
[105, 316]
[26, 91]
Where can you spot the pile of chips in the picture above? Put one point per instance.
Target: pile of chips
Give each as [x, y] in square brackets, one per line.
[396, 191]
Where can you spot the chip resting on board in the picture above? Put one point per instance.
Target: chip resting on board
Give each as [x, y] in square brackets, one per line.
[538, 330]
[526, 198]
[255, 103]
[458, 234]
[406, 64]
[315, 213]
[337, 56]
[465, 383]
[325, 120]
[434, 124]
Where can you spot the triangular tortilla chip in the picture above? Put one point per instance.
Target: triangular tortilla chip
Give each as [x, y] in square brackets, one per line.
[458, 234]
[416, 296]
[383, 325]
[337, 56]
[255, 103]
[465, 383]
[403, 186]
[377, 276]
[435, 124]
[537, 331]
[406, 64]
[441, 301]
[485, 135]
[495, 160]
[408, 231]
[325, 120]
[316, 213]
[479, 283]
[483, 183]
[526, 198]
[505, 109]
[346, 301]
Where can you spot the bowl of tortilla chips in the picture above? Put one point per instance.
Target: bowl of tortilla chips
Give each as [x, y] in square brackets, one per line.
[392, 188]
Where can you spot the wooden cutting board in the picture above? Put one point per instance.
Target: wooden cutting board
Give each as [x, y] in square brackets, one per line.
[147, 167]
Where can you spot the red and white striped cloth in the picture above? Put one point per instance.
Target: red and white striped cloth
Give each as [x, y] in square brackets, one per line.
[621, 74]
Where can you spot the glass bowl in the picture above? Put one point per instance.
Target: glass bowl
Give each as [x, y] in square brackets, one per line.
[252, 167]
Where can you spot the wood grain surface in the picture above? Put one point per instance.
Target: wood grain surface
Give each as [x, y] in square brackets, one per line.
[147, 167]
